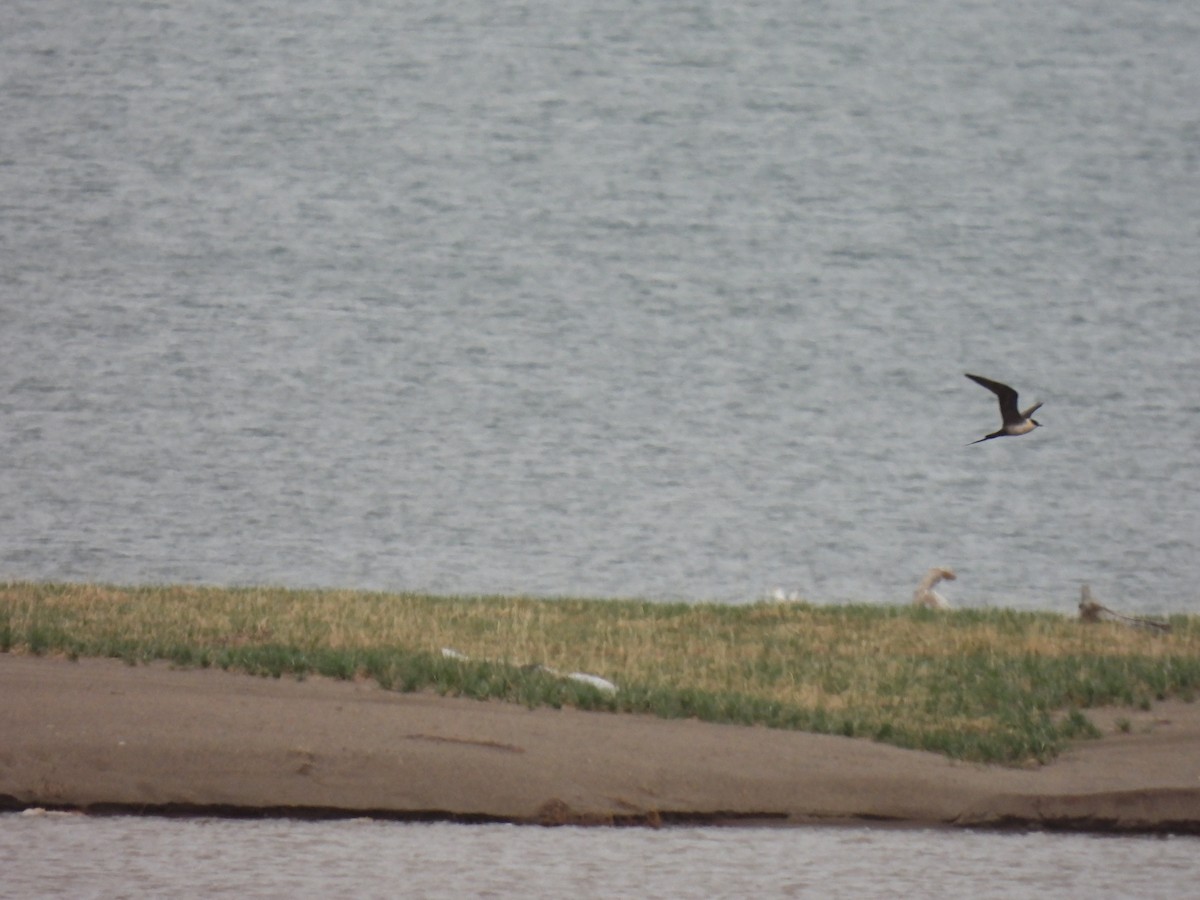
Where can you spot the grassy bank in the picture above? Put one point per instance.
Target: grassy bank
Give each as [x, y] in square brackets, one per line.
[993, 685]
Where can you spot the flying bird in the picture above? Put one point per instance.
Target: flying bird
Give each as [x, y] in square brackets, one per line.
[1015, 421]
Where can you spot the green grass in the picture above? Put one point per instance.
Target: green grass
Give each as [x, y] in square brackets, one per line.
[992, 686]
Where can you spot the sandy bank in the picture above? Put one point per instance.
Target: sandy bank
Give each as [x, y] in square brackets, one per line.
[103, 736]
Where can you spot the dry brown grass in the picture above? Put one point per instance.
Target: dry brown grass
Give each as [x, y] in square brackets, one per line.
[898, 673]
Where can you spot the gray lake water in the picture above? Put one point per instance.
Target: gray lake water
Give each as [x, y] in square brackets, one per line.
[653, 299]
[666, 300]
[54, 856]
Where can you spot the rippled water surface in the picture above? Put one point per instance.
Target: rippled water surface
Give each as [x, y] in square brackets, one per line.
[73, 856]
[661, 300]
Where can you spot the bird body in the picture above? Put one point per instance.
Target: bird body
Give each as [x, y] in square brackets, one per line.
[926, 596]
[1015, 421]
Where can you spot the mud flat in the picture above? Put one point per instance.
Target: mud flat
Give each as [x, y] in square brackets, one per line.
[103, 736]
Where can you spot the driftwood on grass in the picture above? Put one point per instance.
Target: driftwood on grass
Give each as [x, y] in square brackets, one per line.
[1091, 611]
[601, 684]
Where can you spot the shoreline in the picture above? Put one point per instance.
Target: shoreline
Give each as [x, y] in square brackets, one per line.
[101, 736]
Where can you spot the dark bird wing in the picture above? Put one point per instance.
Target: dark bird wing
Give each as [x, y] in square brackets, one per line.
[1007, 396]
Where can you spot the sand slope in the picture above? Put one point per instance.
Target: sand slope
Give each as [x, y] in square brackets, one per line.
[101, 735]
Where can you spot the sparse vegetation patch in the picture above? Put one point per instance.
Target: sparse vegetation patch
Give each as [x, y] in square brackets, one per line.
[992, 686]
